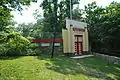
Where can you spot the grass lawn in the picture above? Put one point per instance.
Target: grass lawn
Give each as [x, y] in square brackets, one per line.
[59, 68]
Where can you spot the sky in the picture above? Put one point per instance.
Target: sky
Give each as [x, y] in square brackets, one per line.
[27, 13]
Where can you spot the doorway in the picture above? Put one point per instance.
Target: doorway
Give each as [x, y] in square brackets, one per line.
[78, 44]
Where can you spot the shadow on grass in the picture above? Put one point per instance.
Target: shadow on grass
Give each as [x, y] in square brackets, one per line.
[92, 67]
[9, 57]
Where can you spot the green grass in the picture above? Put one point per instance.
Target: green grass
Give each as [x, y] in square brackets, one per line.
[59, 68]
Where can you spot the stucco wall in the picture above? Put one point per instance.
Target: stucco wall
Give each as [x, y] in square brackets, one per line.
[65, 40]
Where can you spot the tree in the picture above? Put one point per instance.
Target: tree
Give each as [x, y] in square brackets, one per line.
[103, 26]
[16, 44]
[6, 6]
[55, 14]
[13, 40]
[12, 43]
[25, 29]
[5, 18]
[93, 19]
[38, 29]
[15, 4]
[77, 14]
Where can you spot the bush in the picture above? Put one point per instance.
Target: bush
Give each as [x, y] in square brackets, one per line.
[3, 49]
[31, 52]
[17, 45]
[33, 46]
[14, 44]
[33, 49]
[38, 51]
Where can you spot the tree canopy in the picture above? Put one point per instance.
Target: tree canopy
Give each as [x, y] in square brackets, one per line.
[104, 26]
[6, 6]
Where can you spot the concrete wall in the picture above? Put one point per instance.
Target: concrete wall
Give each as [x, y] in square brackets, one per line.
[112, 59]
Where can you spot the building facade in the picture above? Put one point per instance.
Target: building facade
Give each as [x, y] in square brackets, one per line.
[75, 37]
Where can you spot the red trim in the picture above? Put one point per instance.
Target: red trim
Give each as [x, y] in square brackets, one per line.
[81, 47]
[78, 45]
[78, 35]
[78, 29]
[47, 40]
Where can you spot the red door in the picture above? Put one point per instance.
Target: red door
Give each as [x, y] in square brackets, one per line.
[78, 44]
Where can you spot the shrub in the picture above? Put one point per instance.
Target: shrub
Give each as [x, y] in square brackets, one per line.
[34, 46]
[31, 52]
[33, 49]
[17, 44]
[14, 44]
[38, 51]
[3, 49]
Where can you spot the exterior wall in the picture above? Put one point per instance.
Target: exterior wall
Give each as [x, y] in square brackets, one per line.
[86, 40]
[69, 39]
[72, 40]
[68, 35]
[65, 40]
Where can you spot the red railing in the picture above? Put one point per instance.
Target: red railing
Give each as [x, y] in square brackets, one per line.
[47, 40]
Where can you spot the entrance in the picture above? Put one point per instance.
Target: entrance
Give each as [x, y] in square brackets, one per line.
[78, 44]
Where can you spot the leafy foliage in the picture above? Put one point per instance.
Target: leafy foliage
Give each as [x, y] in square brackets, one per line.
[77, 14]
[55, 14]
[5, 18]
[3, 49]
[25, 29]
[13, 43]
[6, 6]
[104, 26]
[17, 44]
[15, 4]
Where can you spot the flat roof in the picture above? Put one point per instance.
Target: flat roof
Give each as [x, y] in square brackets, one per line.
[75, 23]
